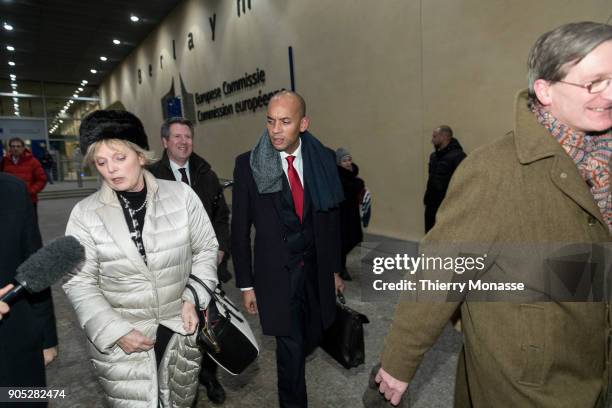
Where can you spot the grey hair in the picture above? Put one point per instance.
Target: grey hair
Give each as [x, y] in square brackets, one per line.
[556, 51]
[165, 128]
[89, 158]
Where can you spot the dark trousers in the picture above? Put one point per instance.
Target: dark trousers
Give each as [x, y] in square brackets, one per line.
[306, 331]
[163, 337]
[209, 368]
[291, 364]
[35, 205]
[430, 215]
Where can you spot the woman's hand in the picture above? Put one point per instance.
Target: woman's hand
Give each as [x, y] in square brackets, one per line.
[189, 317]
[135, 342]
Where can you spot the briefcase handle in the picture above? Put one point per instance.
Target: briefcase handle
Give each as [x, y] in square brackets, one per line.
[364, 319]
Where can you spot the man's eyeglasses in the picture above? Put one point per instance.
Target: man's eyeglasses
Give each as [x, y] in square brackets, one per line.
[592, 87]
[16, 146]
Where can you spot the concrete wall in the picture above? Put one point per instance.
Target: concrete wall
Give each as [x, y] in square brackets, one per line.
[376, 76]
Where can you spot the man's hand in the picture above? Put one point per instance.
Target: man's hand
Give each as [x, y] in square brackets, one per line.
[135, 342]
[49, 354]
[4, 308]
[392, 389]
[220, 256]
[189, 317]
[249, 301]
[339, 283]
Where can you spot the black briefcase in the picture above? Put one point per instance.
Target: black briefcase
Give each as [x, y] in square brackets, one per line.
[343, 340]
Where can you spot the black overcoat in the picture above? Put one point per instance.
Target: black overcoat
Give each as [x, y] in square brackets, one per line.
[29, 327]
[267, 269]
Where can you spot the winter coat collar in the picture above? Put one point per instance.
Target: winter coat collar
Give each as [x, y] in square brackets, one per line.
[25, 156]
[533, 141]
[112, 217]
[197, 164]
[109, 197]
[452, 145]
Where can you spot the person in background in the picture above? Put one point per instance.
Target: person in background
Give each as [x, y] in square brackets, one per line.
[443, 162]
[28, 333]
[143, 237]
[47, 164]
[21, 163]
[180, 163]
[350, 218]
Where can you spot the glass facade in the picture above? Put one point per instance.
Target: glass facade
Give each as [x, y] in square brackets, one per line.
[47, 116]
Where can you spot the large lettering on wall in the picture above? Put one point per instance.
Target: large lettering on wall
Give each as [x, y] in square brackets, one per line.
[230, 88]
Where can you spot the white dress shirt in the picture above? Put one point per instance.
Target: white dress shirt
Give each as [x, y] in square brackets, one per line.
[175, 170]
[298, 163]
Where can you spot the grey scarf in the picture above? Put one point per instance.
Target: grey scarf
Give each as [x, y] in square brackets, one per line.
[320, 170]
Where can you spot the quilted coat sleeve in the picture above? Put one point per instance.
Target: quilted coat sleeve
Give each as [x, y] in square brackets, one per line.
[102, 324]
[204, 247]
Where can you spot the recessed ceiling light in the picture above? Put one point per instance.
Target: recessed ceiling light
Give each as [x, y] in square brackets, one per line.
[84, 82]
[93, 71]
[11, 63]
[70, 102]
[15, 99]
[134, 18]
[103, 58]
[13, 77]
[8, 27]
[75, 95]
[80, 89]
[16, 105]
[15, 92]
[61, 121]
[116, 41]
[10, 48]
[13, 86]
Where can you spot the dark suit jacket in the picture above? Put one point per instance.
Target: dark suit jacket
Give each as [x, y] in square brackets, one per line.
[30, 326]
[269, 274]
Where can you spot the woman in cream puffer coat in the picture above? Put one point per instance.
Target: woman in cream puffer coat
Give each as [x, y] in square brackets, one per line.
[121, 296]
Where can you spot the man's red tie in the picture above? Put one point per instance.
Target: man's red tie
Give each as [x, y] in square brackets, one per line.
[297, 191]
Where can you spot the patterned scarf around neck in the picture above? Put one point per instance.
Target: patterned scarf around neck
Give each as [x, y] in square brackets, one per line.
[590, 152]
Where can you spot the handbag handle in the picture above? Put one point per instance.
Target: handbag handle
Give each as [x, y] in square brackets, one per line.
[214, 295]
[205, 335]
[197, 302]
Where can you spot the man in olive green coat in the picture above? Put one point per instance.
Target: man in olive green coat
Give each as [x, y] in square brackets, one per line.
[546, 182]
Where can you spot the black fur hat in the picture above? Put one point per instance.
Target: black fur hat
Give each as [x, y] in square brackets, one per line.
[111, 124]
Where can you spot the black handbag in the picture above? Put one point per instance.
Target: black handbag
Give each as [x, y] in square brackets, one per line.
[343, 340]
[223, 332]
